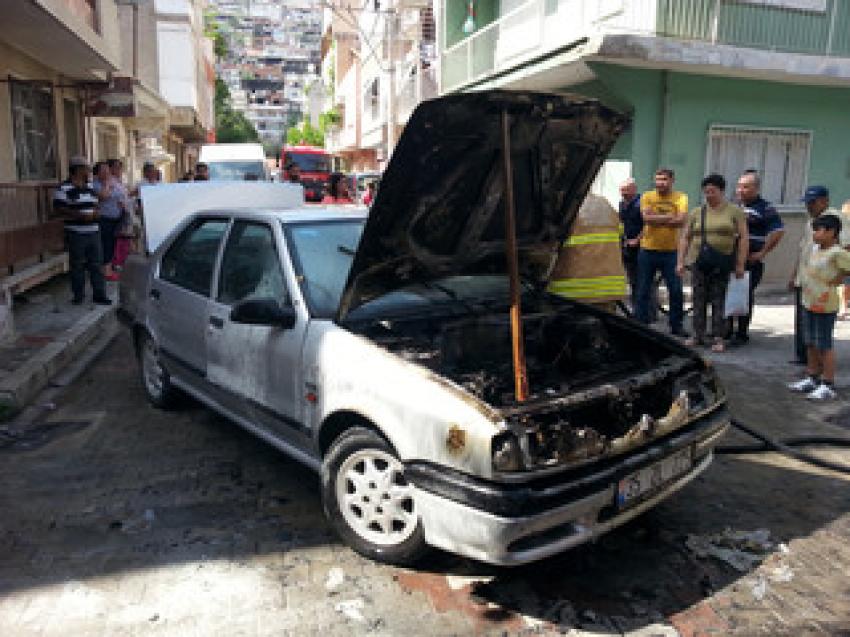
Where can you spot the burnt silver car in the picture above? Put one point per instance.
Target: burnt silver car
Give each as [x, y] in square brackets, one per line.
[379, 350]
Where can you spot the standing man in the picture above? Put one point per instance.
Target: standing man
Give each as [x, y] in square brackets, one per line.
[293, 173]
[816, 199]
[664, 211]
[765, 230]
[76, 202]
[631, 221]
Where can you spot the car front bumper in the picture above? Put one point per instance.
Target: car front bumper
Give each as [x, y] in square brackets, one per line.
[516, 524]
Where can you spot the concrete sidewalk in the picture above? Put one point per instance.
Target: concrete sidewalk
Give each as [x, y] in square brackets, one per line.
[50, 333]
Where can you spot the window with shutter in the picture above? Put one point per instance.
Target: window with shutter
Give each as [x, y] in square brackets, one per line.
[780, 155]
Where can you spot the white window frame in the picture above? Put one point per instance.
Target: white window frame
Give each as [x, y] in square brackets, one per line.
[815, 6]
[793, 204]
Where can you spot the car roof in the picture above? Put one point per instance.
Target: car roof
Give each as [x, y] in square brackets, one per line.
[293, 215]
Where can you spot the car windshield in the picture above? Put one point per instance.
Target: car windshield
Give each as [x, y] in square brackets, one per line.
[322, 252]
[310, 162]
[236, 170]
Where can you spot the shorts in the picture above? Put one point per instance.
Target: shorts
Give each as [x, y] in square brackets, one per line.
[818, 328]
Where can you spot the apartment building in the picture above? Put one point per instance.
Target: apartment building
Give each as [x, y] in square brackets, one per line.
[379, 62]
[711, 85]
[273, 60]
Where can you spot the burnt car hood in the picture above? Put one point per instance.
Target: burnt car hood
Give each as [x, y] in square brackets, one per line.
[440, 208]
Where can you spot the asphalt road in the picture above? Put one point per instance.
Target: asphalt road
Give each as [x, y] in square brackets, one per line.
[117, 518]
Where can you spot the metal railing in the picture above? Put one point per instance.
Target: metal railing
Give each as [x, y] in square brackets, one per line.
[535, 27]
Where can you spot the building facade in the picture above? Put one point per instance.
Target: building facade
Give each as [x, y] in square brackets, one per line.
[711, 85]
[380, 62]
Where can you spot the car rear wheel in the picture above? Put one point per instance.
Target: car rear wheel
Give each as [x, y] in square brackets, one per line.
[155, 379]
[368, 501]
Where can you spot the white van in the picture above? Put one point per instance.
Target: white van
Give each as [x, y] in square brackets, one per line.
[235, 162]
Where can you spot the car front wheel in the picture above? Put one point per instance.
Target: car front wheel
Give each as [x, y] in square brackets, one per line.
[368, 501]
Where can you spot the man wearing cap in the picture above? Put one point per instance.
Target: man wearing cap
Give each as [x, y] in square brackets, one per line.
[76, 202]
[816, 199]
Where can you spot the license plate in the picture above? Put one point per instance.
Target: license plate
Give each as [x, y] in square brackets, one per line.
[648, 480]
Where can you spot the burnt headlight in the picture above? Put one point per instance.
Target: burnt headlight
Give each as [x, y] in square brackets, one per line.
[507, 455]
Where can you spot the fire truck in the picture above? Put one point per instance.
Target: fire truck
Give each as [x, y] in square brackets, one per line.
[314, 164]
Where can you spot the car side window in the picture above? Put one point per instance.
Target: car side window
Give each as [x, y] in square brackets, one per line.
[190, 261]
[250, 268]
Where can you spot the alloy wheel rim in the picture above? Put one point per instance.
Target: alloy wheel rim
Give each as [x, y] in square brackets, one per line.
[374, 498]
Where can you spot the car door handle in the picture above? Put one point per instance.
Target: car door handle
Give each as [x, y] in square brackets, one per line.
[217, 322]
[154, 293]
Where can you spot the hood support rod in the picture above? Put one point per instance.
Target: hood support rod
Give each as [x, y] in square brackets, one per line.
[517, 340]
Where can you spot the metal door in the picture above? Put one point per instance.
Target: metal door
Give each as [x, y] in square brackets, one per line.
[256, 369]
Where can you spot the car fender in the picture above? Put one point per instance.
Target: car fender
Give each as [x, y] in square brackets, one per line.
[423, 415]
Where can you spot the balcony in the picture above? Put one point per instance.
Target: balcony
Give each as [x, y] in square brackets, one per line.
[536, 28]
[412, 89]
[69, 36]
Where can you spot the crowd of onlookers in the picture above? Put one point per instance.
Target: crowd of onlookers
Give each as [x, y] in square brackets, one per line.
[717, 242]
[723, 240]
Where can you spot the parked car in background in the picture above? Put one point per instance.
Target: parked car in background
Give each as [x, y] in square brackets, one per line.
[235, 162]
[378, 350]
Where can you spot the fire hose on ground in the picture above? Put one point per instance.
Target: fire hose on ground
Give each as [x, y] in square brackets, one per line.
[787, 447]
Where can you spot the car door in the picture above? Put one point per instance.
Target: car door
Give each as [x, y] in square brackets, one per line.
[256, 369]
[180, 294]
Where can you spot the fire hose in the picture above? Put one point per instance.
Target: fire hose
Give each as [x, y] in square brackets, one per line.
[787, 447]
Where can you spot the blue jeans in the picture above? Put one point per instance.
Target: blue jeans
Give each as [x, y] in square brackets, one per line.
[650, 262]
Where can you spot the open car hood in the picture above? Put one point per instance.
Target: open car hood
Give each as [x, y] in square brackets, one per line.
[440, 208]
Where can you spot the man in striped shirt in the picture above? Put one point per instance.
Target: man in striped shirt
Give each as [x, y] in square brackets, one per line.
[76, 202]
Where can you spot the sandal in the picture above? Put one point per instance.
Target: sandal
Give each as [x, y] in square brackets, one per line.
[694, 341]
[719, 346]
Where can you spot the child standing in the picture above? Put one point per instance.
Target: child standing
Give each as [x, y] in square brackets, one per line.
[827, 266]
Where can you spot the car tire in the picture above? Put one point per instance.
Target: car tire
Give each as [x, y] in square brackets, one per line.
[155, 379]
[367, 500]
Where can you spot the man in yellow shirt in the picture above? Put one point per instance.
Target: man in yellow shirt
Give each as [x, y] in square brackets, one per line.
[664, 211]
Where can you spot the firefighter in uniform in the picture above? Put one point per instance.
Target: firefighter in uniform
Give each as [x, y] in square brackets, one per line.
[590, 264]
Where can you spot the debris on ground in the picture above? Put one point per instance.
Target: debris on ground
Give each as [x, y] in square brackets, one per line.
[138, 524]
[759, 588]
[336, 576]
[742, 550]
[781, 574]
[351, 609]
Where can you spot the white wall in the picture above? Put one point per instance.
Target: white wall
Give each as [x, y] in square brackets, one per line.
[177, 63]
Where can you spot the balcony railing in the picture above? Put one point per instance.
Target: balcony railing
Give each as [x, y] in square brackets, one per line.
[536, 27]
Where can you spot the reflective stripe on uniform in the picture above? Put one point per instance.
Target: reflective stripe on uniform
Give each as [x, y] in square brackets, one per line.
[592, 238]
[593, 287]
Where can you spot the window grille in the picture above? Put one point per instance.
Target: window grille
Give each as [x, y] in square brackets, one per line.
[781, 157]
[34, 127]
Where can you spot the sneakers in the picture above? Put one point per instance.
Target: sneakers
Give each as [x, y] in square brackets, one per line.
[101, 300]
[804, 386]
[822, 392]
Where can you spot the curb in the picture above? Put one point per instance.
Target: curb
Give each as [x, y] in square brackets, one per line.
[22, 385]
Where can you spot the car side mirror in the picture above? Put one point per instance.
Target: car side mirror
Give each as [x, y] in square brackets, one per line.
[265, 311]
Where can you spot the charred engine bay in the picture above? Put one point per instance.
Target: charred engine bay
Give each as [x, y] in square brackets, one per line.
[573, 358]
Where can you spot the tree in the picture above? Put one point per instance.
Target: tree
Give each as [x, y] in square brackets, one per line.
[230, 125]
[306, 133]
